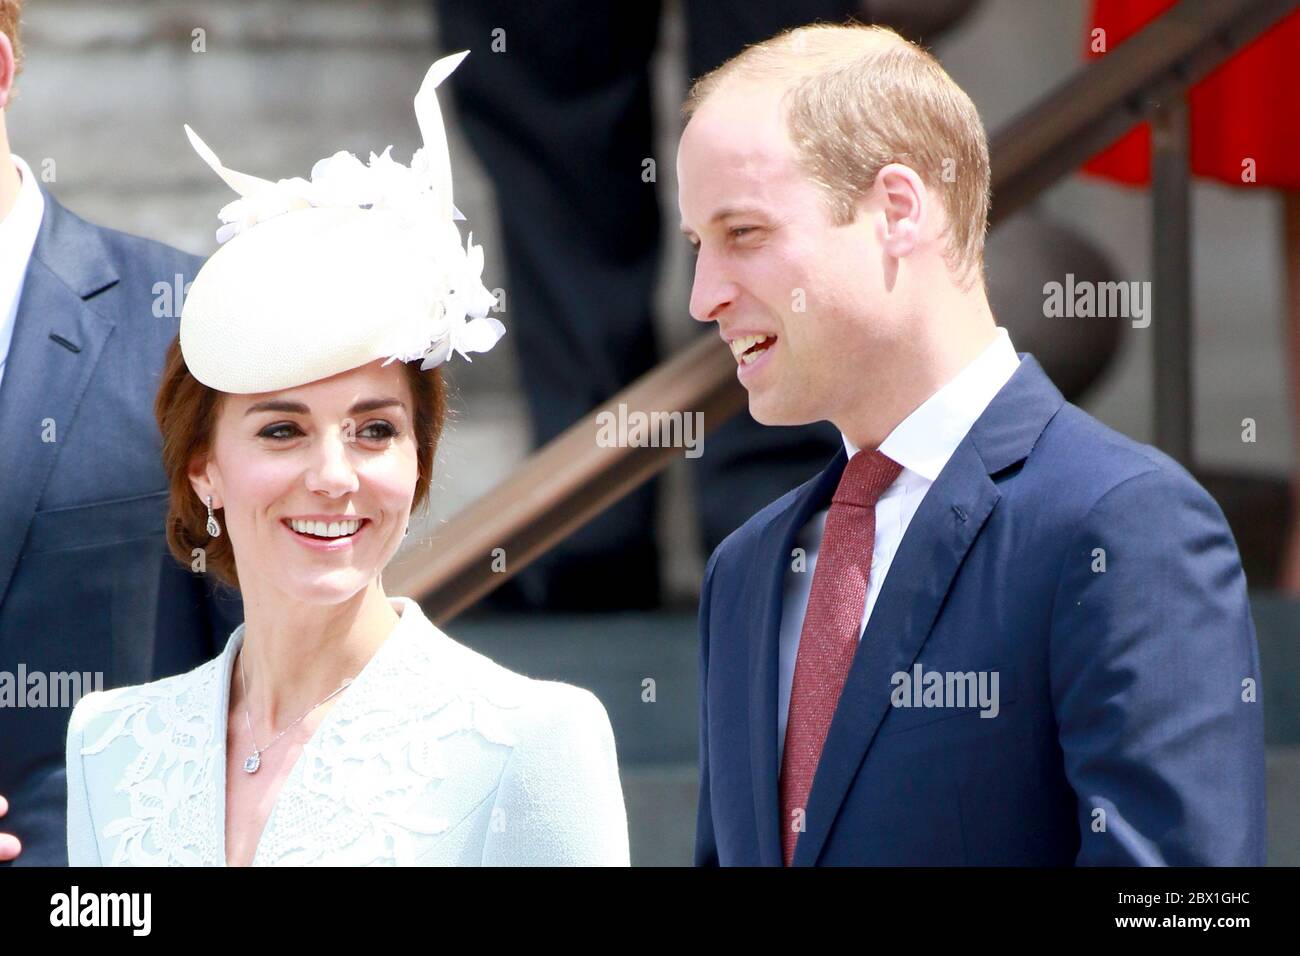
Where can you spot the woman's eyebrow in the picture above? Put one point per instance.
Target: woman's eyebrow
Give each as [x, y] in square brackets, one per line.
[374, 404]
[298, 408]
[278, 405]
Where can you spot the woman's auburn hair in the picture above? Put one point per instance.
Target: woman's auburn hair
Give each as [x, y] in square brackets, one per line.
[187, 410]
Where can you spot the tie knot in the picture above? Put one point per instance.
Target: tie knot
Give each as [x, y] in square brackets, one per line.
[865, 479]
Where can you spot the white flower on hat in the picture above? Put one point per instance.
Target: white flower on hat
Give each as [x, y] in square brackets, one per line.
[457, 317]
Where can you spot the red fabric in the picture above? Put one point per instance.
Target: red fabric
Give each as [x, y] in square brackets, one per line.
[1246, 109]
[829, 637]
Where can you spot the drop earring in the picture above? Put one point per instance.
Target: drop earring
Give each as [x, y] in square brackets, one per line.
[214, 529]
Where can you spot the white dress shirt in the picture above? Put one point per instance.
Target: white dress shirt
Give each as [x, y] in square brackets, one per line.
[17, 237]
[922, 443]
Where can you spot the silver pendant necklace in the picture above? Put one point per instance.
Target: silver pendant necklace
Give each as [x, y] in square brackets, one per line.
[254, 760]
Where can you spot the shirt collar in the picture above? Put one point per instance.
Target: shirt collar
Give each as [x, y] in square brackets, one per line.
[18, 232]
[19, 228]
[925, 440]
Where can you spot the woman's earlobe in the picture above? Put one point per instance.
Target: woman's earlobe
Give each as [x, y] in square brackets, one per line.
[201, 490]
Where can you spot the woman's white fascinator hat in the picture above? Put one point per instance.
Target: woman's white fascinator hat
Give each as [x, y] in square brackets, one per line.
[359, 263]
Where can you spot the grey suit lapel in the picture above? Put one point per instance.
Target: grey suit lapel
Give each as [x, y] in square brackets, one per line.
[58, 340]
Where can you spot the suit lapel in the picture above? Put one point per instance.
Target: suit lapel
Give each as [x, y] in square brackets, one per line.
[767, 583]
[942, 531]
[46, 377]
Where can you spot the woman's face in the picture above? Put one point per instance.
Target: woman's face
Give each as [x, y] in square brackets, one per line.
[316, 482]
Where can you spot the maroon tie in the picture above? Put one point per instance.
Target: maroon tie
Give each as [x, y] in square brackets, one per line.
[831, 625]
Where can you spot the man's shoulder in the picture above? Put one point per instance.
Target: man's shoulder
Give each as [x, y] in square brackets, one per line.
[130, 257]
[1087, 460]
[138, 250]
[130, 251]
[1083, 479]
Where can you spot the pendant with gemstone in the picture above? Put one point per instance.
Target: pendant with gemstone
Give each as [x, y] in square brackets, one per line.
[253, 762]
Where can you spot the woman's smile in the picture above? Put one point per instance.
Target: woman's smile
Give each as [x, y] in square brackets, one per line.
[337, 534]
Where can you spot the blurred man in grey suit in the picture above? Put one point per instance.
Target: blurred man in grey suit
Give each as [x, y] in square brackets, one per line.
[89, 595]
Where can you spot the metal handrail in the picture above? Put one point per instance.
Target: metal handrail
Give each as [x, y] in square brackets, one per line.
[573, 478]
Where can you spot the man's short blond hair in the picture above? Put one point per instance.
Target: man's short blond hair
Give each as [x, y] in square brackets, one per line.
[861, 97]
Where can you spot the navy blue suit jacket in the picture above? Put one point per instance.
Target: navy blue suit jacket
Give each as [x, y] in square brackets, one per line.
[86, 582]
[1130, 730]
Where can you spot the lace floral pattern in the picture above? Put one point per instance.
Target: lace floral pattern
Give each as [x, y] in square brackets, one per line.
[417, 742]
[170, 784]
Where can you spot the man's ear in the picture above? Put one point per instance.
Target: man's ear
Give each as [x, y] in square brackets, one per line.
[8, 69]
[905, 204]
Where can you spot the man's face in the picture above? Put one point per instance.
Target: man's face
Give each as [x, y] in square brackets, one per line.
[772, 262]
